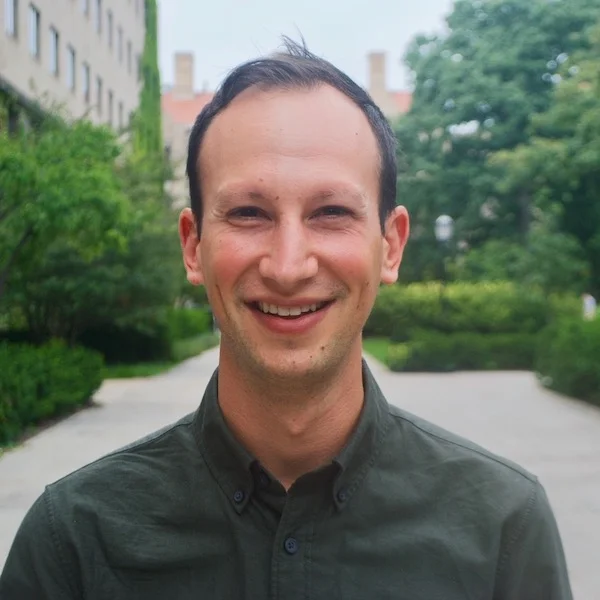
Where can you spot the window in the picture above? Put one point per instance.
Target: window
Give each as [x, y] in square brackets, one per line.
[99, 95]
[85, 7]
[54, 51]
[120, 43]
[98, 16]
[129, 57]
[86, 82]
[109, 26]
[121, 113]
[34, 31]
[111, 101]
[11, 8]
[71, 68]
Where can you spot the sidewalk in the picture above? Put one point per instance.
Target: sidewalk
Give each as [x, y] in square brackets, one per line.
[556, 438]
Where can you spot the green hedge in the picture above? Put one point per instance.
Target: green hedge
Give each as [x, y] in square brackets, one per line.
[185, 323]
[41, 382]
[434, 351]
[568, 358]
[485, 308]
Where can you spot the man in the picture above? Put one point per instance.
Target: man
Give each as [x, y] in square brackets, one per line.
[295, 478]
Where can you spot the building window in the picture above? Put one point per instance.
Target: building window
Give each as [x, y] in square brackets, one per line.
[54, 51]
[109, 26]
[86, 82]
[71, 68]
[98, 16]
[85, 7]
[120, 44]
[99, 95]
[111, 101]
[129, 57]
[11, 8]
[121, 113]
[34, 31]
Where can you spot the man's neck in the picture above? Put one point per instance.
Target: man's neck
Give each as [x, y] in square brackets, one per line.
[292, 433]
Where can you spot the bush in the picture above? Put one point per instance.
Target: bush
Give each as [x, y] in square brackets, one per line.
[485, 308]
[568, 358]
[41, 382]
[433, 351]
[185, 323]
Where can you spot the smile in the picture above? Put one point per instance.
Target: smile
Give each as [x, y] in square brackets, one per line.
[288, 311]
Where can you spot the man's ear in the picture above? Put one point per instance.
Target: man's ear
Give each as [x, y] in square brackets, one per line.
[395, 236]
[190, 246]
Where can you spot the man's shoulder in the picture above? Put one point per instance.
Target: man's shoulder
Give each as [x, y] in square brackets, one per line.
[132, 469]
[456, 462]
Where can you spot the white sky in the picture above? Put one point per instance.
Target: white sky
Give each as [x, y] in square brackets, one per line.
[223, 33]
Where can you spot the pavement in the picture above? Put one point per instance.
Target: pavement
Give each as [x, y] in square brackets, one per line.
[556, 438]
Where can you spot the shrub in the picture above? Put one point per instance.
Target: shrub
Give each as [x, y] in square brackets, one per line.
[434, 351]
[568, 358]
[185, 323]
[41, 382]
[484, 308]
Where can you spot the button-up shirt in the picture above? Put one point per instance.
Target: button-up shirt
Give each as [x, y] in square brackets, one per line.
[406, 511]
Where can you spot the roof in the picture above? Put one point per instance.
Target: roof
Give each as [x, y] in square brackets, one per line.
[403, 101]
[184, 110]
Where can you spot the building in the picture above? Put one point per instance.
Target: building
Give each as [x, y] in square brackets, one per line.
[80, 55]
[393, 103]
[181, 104]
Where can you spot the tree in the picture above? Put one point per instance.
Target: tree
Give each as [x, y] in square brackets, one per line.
[476, 91]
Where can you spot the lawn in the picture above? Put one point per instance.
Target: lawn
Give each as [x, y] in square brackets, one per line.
[377, 348]
[182, 350]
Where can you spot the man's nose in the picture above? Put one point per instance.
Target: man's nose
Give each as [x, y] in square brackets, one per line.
[290, 259]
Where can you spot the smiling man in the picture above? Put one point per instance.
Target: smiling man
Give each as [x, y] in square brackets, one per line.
[294, 478]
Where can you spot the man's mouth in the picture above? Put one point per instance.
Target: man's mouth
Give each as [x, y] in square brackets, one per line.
[289, 312]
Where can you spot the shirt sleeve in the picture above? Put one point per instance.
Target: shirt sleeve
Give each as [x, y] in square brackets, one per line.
[533, 564]
[33, 569]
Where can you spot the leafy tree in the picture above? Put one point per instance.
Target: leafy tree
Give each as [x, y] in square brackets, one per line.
[477, 89]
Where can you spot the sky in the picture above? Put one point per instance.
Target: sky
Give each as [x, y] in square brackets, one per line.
[224, 33]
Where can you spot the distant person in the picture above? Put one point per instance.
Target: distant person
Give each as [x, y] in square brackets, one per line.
[589, 307]
[294, 478]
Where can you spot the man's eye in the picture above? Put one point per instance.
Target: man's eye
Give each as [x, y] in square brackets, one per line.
[333, 211]
[245, 212]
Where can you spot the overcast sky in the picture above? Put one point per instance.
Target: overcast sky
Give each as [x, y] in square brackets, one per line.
[223, 33]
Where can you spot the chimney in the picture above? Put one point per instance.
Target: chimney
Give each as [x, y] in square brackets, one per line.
[377, 79]
[184, 75]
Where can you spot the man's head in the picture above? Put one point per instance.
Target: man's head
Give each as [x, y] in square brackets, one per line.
[299, 222]
[296, 68]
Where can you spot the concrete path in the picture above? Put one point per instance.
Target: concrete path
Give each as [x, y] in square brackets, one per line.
[556, 438]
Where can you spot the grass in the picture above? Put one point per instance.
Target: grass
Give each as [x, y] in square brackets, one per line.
[182, 350]
[377, 348]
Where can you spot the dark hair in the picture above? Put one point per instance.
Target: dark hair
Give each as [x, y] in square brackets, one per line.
[296, 67]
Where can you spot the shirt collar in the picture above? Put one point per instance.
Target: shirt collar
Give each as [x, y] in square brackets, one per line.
[235, 469]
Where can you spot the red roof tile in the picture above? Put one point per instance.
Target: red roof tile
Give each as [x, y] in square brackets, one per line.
[185, 110]
[403, 101]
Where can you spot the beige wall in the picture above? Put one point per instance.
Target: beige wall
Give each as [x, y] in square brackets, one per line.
[176, 135]
[32, 77]
[378, 89]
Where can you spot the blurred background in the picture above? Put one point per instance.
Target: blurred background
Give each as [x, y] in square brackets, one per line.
[496, 108]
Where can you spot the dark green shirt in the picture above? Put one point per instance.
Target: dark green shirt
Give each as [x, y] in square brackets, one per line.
[406, 511]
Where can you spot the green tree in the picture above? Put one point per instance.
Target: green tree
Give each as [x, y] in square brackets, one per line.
[476, 90]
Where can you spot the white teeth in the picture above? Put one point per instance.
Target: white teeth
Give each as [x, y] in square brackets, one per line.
[285, 311]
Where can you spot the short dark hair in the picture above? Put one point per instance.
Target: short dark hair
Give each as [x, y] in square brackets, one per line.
[295, 67]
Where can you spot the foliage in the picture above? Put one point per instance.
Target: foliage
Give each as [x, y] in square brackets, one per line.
[478, 89]
[568, 358]
[489, 307]
[37, 383]
[377, 347]
[58, 182]
[434, 351]
[187, 323]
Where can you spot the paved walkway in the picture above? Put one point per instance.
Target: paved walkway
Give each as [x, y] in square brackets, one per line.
[556, 438]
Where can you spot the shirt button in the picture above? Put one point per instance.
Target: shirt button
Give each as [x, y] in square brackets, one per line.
[238, 496]
[291, 545]
[342, 496]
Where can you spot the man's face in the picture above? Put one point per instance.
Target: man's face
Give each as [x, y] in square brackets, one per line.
[291, 250]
